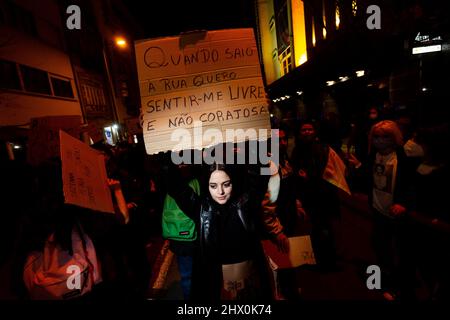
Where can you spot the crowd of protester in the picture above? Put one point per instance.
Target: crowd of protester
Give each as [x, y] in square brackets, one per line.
[400, 166]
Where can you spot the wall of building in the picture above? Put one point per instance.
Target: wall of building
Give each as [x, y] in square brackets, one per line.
[42, 49]
[275, 62]
[18, 109]
[268, 38]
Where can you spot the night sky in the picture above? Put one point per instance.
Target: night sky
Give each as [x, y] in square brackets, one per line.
[168, 18]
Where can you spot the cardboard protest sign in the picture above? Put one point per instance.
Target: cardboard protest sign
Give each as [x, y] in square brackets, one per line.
[84, 175]
[44, 136]
[300, 253]
[209, 78]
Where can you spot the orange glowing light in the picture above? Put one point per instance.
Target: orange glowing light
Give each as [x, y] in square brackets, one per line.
[121, 42]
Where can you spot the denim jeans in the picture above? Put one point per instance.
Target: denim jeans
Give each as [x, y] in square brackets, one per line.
[185, 270]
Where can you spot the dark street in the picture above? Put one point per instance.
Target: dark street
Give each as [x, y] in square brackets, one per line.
[175, 152]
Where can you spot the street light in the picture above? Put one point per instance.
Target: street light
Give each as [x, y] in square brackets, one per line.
[110, 84]
[121, 42]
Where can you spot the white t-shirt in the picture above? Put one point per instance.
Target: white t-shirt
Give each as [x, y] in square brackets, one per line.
[384, 176]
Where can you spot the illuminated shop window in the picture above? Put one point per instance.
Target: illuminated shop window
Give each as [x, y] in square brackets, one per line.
[299, 32]
[313, 33]
[354, 7]
[338, 16]
[324, 18]
[286, 61]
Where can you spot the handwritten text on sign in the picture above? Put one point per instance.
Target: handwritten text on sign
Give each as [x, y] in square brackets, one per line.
[300, 253]
[212, 78]
[84, 175]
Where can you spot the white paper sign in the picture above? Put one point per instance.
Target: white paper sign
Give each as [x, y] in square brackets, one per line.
[211, 78]
[84, 175]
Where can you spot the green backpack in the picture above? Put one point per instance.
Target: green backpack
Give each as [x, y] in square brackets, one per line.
[176, 225]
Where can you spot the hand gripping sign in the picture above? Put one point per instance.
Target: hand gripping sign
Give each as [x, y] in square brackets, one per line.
[200, 89]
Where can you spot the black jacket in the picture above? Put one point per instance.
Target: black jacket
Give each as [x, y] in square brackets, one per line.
[318, 197]
[207, 267]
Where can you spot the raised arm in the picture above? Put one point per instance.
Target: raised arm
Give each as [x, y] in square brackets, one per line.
[122, 206]
[178, 188]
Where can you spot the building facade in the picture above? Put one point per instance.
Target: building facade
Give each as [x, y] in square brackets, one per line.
[105, 70]
[343, 56]
[36, 78]
[49, 69]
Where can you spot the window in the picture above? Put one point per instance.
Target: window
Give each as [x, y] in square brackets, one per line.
[337, 16]
[94, 99]
[24, 78]
[35, 80]
[272, 23]
[283, 29]
[354, 8]
[62, 87]
[286, 61]
[324, 19]
[313, 33]
[274, 53]
[9, 77]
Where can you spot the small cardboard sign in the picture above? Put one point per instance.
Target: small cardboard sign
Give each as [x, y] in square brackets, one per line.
[84, 175]
[300, 253]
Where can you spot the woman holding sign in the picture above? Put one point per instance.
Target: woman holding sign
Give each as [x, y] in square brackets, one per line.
[229, 263]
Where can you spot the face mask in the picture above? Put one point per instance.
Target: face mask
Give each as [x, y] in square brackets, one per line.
[413, 149]
[382, 144]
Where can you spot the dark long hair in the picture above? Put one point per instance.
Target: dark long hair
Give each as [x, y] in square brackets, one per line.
[230, 170]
